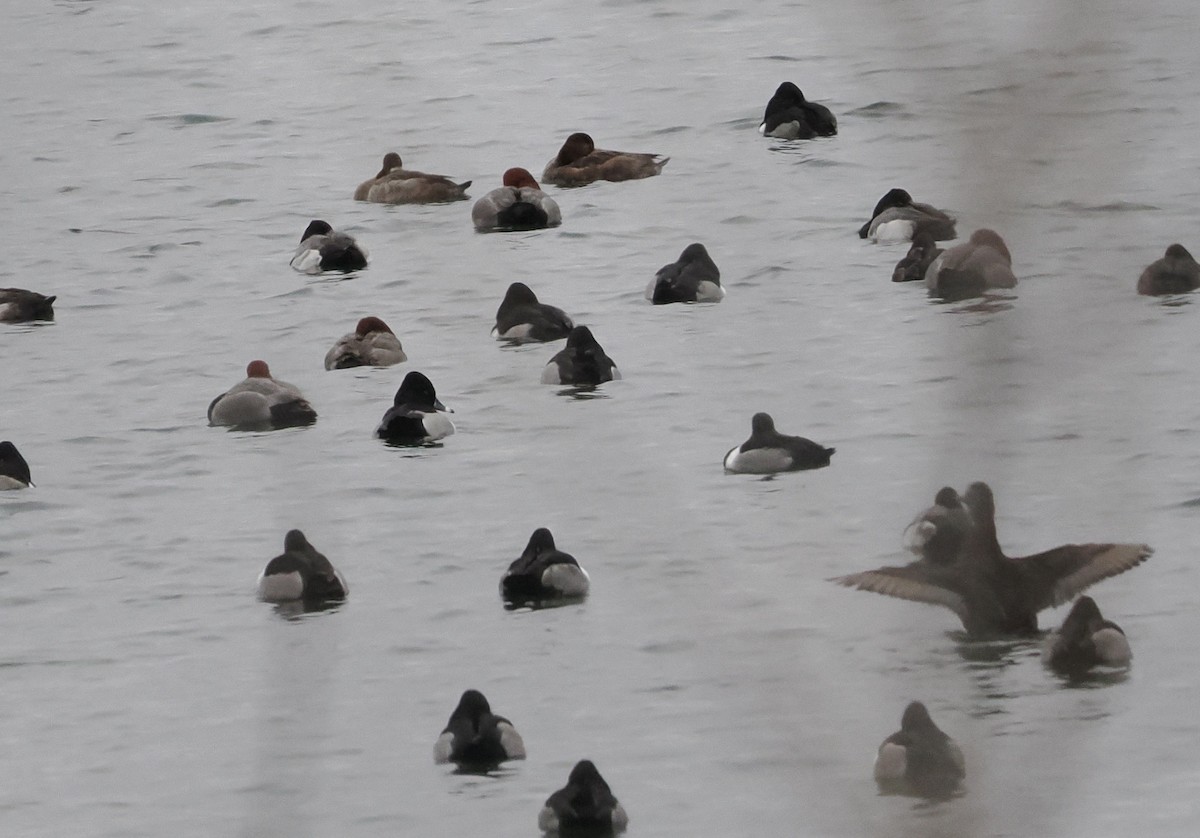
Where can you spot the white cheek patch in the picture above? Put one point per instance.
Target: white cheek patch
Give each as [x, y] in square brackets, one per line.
[281, 587]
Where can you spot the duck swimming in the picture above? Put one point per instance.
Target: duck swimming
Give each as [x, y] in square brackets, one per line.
[919, 758]
[1086, 639]
[579, 163]
[14, 471]
[581, 362]
[397, 185]
[18, 305]
[970, 269]
[260, 402]
[371, 344]
[521, 318]
[913, 266]
[416, 417]
[520, 204]
[300, 573]
[543, 572]
[789, 116]
[991, 593]
[897, 216]
[475, 737]
[323, 249]
[585, 804]
[767, 451]
[692, 278]
[1175, 273]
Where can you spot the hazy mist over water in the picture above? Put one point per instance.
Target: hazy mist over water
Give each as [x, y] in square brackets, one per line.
[158, 165]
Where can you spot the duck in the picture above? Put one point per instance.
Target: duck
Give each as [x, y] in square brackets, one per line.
[371, 344]
[581, 362]
[767, 451]
[543, 572]
[1175, 273]
[970, 269]
[475, 737]
[1086, 639]
[300, 573]
[897, 216]
[992, 594]
[789, 116]
[323, 249]
[692, 278]
[14, 471]
[261, 402]
[522, 319]
[416, 417]
[938, 533]
[397, 185]
[520, 204]
[18, 305]
[913, 266]
[579, 163]
[585, 804]
[919, 758]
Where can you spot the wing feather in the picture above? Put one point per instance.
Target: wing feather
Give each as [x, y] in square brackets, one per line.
[1058, 575]
[917, 582]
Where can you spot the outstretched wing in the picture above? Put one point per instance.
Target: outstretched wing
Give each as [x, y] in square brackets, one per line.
[1057, 575]
[917, 581]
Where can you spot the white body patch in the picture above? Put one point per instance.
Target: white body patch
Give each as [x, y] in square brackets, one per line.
[443, 747]
[620, 820]
[7, 482]
[1113, 647]
[709, 292]
[511, 742]
[566, 579]
[551, 375]
[308, 261]
[758, 461]
[518, 332]
[783, 131]
[650, 289]
[547, 820]
[891, 762]
[437, 425]
[898, 230]
[280, 587]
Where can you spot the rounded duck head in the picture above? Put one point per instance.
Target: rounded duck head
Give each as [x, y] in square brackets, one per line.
[371, 324]
[519, 294]
[391, 160]
[519, 178]
[948, 498]
[580, 338]
[417, 390]
[762, 423]
[316, 227]
[894, 198]
[789, 92]
[983, 237]
[577, 146]
[1082, 620]
[258, 369]
[916, 719]
[1178, 251]
[541, 541]
[472, 704]
[295, 542]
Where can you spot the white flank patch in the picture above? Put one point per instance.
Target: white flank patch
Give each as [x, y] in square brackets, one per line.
[7, 482]
[620, 820]
[709, 292]
[891, 762]
[894, 231]
[280, 587]
[758, 461]
[437, 425]
[443, 747]
[567, 579]
[1112, 647]
[551, 375]
[510, 740]
[308, 262]
[518, 332]
[547, 820]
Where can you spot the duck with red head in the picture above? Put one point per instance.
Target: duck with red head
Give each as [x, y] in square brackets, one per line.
[260, 402]
[991, 593]
[968, 270]
[397, 185]
[520, 204]
[1175, 273]
[324, 249]
[371, 344]
[579, 163]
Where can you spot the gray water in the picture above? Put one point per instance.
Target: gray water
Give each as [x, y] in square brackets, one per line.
[157, 167]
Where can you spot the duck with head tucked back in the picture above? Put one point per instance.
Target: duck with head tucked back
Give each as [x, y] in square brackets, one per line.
[18, 305]
[767, 451]
[260, 402]
[371, 344]
[582, 361]
[300, 573]
[585, 805]
[521, 318]
[1086, 639]
[397, 185]
[897, 217]
[543, 572]
[919, 758]
[913, 266]
[1175, 273]
[692, 278]
[991, 593]
[416, 417]
[475, 737]
[14, 471]
[323, 249]
[970, 269]
[789, 116]
[520, 204]
[579, 163]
